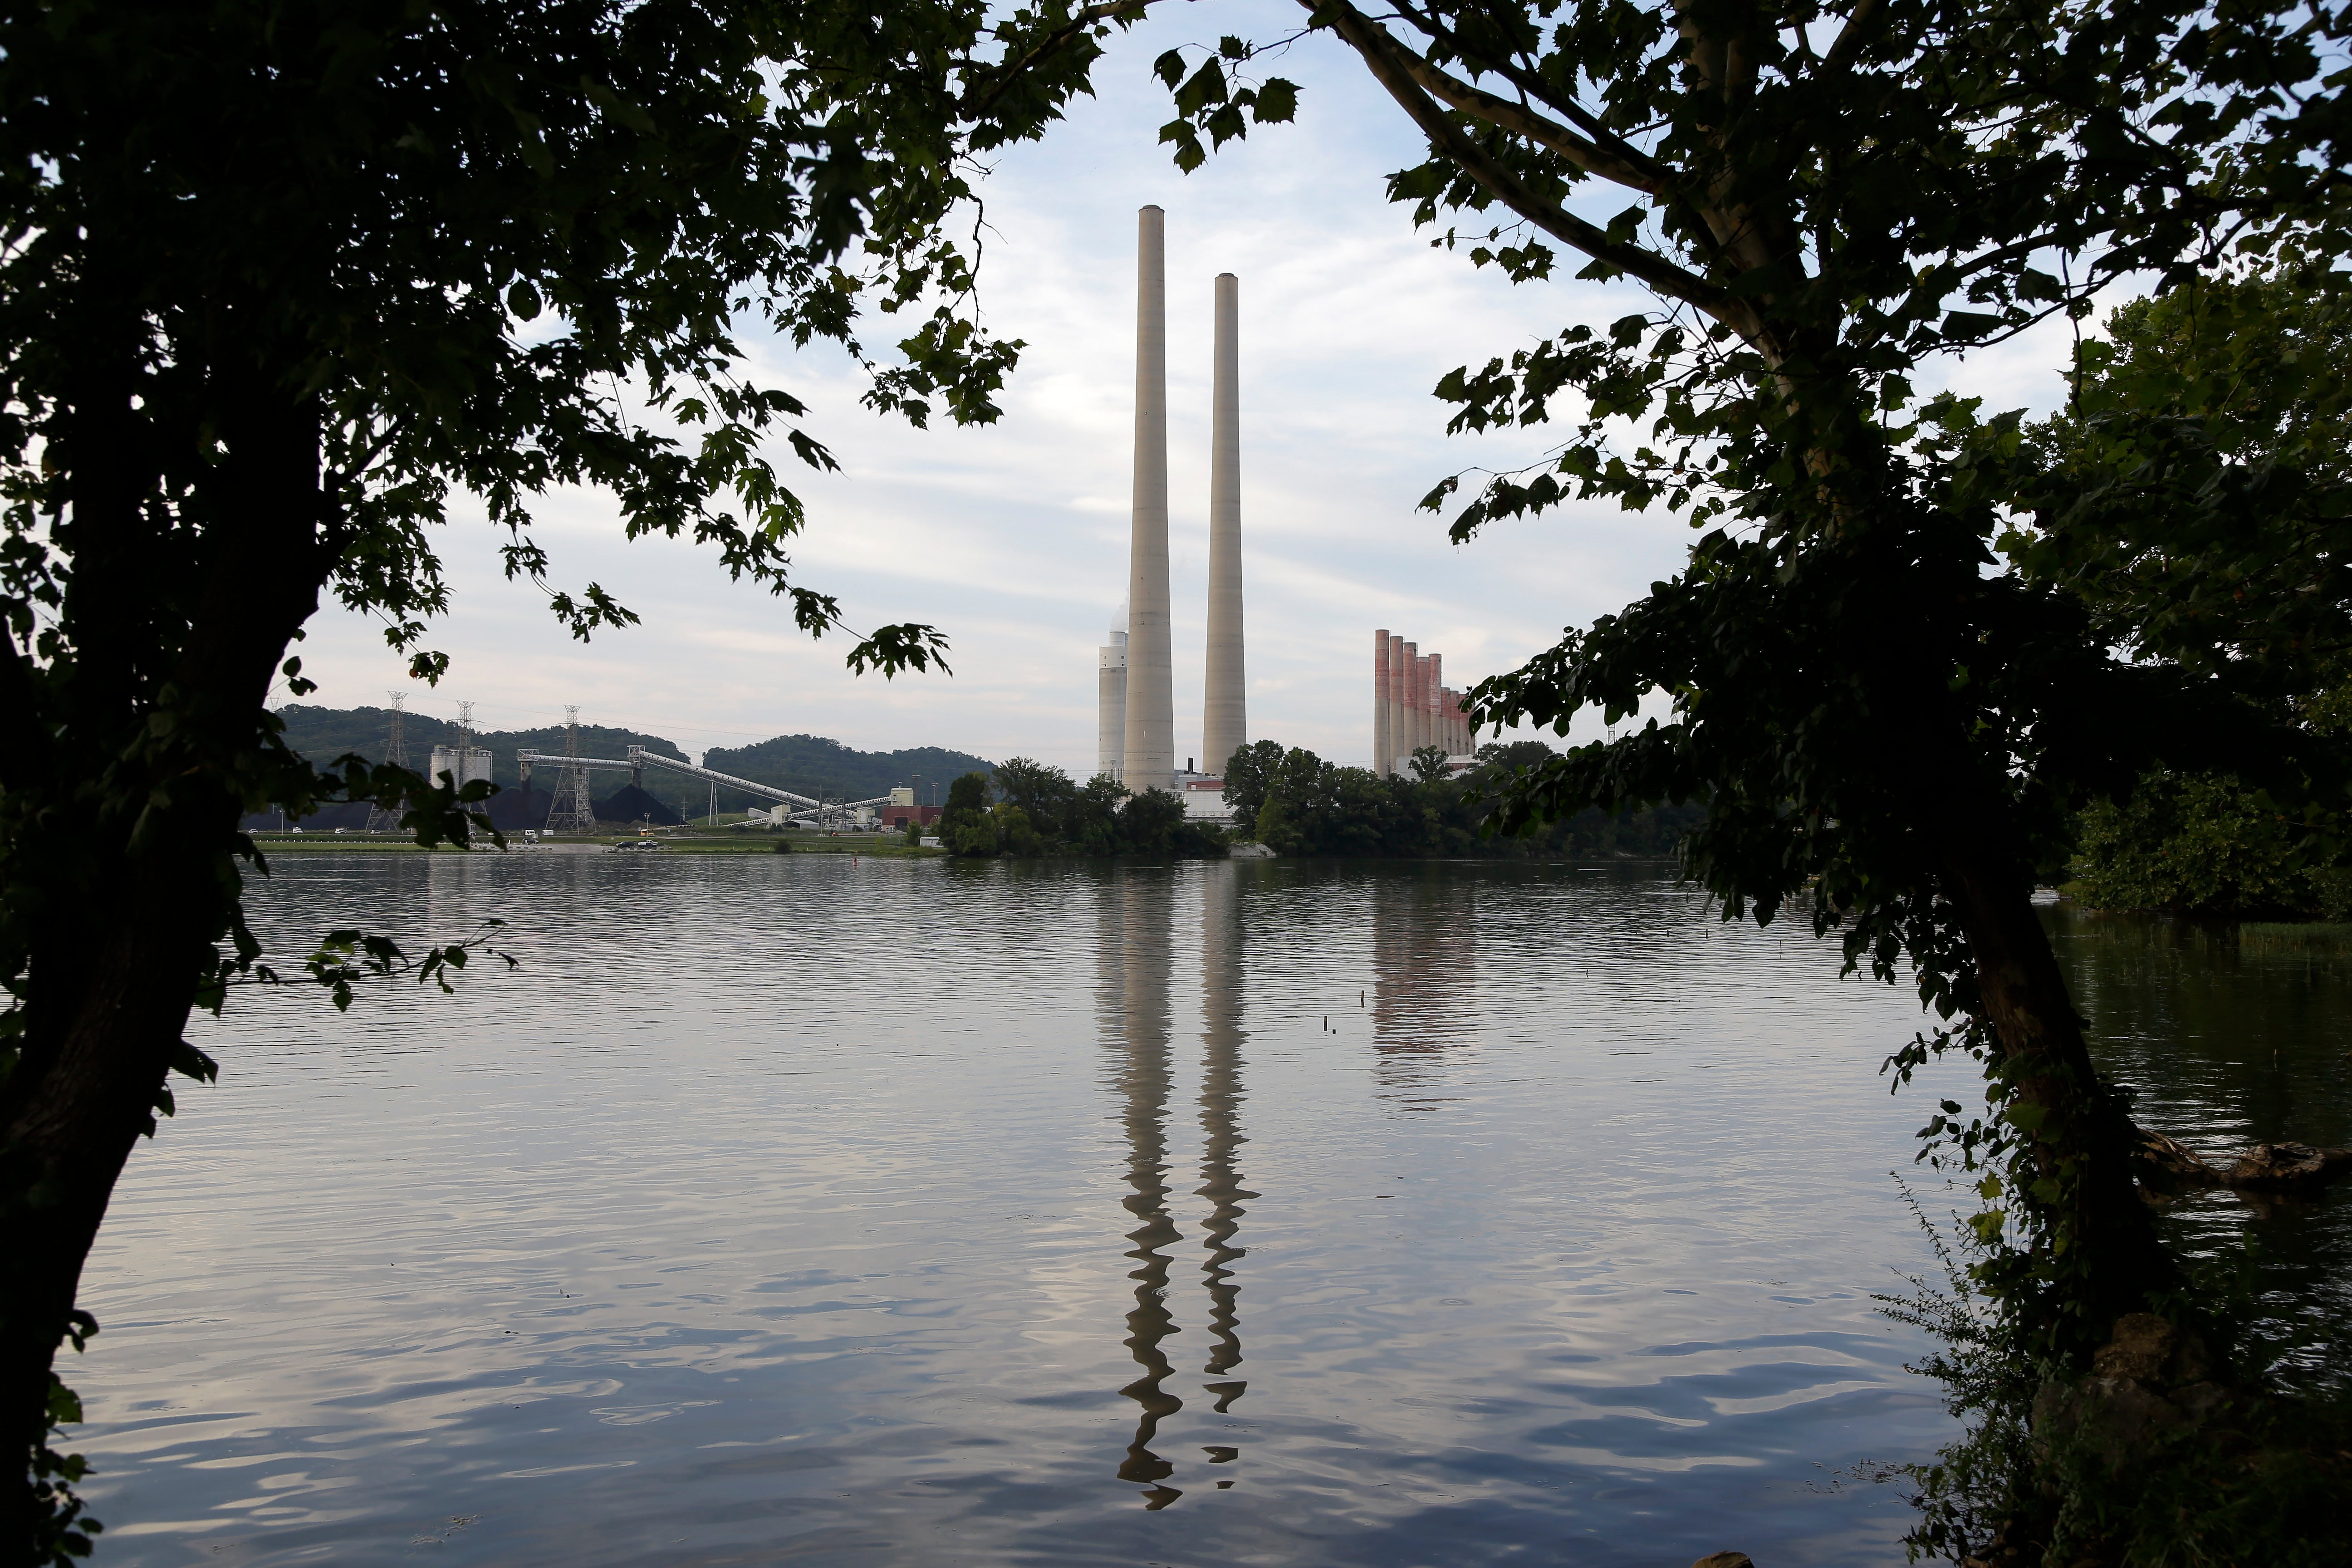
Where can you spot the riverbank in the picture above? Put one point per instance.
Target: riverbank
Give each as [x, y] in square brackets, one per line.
[890, 846]
[887, 846]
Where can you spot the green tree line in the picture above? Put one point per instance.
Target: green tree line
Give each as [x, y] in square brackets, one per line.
[1295, 803]
[1038, 809]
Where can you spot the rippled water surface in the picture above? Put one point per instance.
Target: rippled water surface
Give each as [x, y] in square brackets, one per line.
[793, 1210]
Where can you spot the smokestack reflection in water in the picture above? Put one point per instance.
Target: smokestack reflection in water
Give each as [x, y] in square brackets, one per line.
[1136, 949]
[1134, 997]
[1220, 1133]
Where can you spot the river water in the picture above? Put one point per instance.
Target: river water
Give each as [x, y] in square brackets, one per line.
[793, 1209]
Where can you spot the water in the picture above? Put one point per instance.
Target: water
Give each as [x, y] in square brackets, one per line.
[2230, 1043]
[783, 1209]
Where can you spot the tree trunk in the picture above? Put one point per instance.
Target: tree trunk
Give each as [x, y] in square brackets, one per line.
[2079, 1133]
[124, 1009]
[133, 857]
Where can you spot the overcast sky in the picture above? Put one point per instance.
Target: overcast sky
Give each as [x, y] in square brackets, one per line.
[1013, 539]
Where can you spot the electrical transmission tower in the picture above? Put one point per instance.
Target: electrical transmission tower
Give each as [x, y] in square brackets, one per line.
[396, 754]
[571, 811]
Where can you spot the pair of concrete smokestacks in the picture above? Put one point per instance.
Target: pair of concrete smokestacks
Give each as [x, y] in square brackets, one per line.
[1412, 705]
[1138, 700]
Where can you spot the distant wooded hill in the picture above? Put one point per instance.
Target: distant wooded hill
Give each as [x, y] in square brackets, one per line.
[810, 764]
[806, 765]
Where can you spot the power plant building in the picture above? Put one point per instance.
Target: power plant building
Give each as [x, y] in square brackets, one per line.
[1110, 747]
[463, 763]
[1413, 707]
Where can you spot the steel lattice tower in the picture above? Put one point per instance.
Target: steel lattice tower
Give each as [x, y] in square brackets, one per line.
[571, 811]
[395, 755]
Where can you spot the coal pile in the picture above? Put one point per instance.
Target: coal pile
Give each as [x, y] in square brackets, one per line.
[511, 810]
[630, 803]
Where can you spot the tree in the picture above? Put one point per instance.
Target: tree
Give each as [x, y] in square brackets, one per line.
[1152, 823]
[1043, 791]
[279, 278]
[1248, 772]
[1823, 199]
[965, 825]
[1091, 824]
[1512, 754]
[2196, 492]
[2194, 497]
[2201, 844]
[1014, 833]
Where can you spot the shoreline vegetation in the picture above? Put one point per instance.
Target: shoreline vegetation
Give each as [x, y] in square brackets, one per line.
[886, 845]
[739, 844]
[1297, 805]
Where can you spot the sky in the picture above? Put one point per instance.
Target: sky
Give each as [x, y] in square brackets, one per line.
[1013, 538]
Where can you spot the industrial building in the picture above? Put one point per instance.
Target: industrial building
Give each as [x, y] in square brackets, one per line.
[463, 763]
[1110, 749]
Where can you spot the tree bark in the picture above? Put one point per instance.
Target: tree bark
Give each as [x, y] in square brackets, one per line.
[2080, 1142]
[137, 877]
[123, 1013]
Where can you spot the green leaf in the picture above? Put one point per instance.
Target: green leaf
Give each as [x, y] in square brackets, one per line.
[1277, 103]
[1971, 326]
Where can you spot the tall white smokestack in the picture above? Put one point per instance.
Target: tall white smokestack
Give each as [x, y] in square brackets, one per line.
[1150, 749]
[1110, 700]
[1383, 759]
[1224, 714]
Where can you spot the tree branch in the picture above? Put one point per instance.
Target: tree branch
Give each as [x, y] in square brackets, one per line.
[1502, 112]
[1011, 70]
[1852, 35]
[1609, 142]
[1381, 54]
